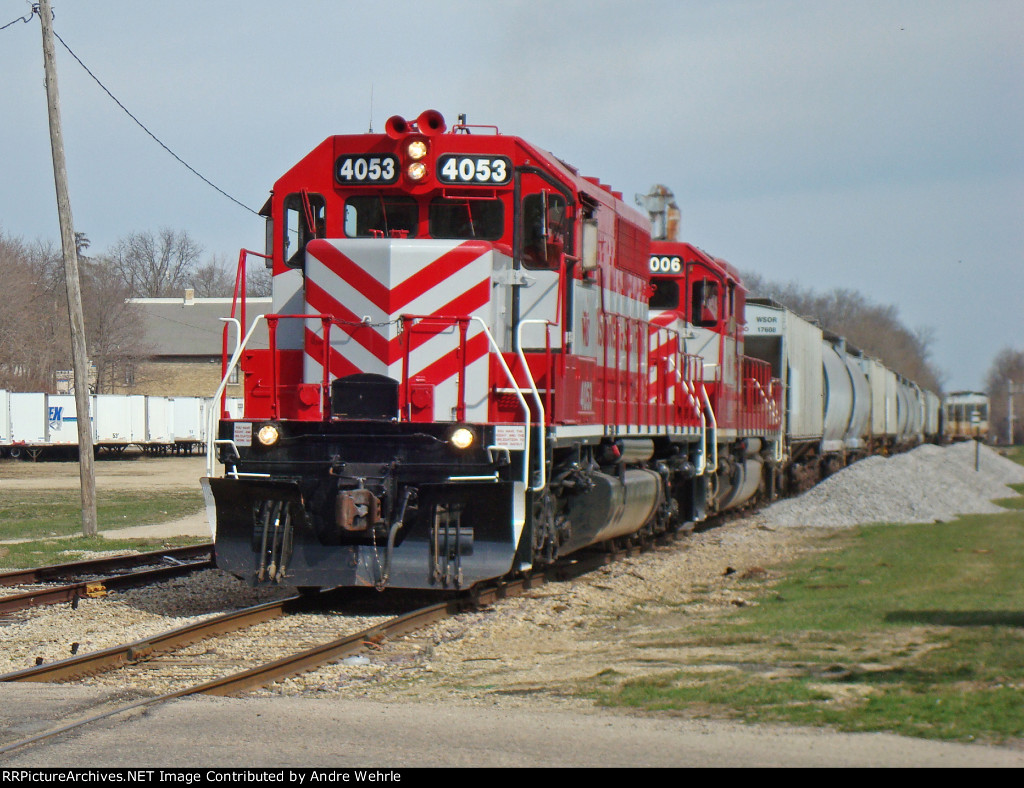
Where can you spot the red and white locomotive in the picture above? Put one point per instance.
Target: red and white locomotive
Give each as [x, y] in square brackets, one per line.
[463, 377]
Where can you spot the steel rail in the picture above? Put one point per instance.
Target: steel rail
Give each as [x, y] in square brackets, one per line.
[96, 587]
[42, 574]
[246, 679]
[115, 656]
[312, 658]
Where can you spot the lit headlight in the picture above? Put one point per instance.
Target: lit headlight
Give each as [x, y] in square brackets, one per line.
[461, 438]
[416, 171]
[268, 435]
[417, 150]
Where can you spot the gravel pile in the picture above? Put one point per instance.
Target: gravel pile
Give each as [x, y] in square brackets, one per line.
[928, 484]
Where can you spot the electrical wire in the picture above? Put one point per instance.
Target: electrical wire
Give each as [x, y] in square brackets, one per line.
[28, 18]
[150, 133]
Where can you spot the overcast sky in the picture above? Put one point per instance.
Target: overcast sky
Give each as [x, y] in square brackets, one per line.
[875, 145]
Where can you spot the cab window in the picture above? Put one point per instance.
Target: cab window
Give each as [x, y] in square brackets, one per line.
[547, 227]
[665, 293]
[465, 218]
[299, 211]
[381, 216]
[706, 302]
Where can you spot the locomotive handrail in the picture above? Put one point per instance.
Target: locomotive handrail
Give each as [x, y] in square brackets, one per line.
[210, 422]
[519, 393]
[703, 429]
[773, 410]
[536, 398]
[238, 298]
[714, 425]
[219, 399]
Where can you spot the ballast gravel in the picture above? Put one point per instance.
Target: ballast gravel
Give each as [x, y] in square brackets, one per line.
[929, 484]
[55, 632]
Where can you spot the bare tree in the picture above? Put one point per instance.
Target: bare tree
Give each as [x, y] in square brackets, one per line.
[35, 337]
[1007, 370]
[114, 327]
[22, 364]
[155, 266]
[213, 280]
[259, 280]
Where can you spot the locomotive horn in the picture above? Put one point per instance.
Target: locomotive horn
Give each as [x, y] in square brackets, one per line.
[431, 122]
[396, 126]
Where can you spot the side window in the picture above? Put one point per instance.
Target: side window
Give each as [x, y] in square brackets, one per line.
[381, 216]
[304, 219]
[464, 218]
[666, 293]
[547, 227]
[706, 306]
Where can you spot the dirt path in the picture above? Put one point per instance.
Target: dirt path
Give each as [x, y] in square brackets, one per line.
[130, 473]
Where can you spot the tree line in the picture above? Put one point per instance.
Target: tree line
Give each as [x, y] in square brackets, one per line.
[35, 337]
[1005, 375]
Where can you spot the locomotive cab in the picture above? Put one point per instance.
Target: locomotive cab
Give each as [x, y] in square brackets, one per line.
[703, 299]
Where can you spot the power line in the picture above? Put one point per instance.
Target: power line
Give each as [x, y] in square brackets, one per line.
[143, 127]
[28, 18]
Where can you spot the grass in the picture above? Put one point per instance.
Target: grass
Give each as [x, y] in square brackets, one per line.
[914, 629]
[62, 551]
[52, 521]
[23, 515]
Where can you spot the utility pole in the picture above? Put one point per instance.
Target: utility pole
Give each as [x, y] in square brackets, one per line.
[79, 357]
[1009, 412]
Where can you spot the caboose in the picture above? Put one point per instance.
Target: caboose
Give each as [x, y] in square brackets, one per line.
[460, 378]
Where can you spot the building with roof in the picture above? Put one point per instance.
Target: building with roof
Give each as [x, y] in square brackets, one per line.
[184, 343]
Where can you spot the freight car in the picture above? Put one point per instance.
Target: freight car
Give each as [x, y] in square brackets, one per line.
[35, 424]
[477, 363]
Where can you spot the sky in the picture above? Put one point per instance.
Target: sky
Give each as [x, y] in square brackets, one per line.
[876, 145]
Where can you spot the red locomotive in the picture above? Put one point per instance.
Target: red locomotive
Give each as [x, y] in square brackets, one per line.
[462, 377]
[703, 299]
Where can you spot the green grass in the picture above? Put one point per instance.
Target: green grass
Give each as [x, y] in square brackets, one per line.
[883, 574]
[915, 629]
[61, 551]
[27, 514]
[1015, 453]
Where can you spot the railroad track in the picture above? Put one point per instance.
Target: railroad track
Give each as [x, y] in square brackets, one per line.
[96, 576]
[176, 648]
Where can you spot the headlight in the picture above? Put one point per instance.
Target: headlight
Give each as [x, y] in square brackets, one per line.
[416, 171]
[461, 438]
[416, 150]
[268, 435]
